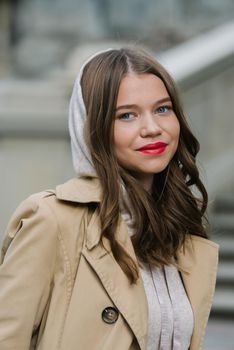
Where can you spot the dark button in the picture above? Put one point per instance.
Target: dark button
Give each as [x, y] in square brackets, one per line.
[110, 315]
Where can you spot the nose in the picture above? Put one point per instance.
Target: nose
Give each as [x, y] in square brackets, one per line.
[150, 126]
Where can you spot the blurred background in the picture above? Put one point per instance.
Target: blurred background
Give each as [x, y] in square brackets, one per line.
[42, 45]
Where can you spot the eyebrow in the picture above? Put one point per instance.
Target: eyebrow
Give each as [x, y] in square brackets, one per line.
[165, 99]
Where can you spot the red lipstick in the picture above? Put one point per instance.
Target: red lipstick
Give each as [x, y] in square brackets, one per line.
[153, 148]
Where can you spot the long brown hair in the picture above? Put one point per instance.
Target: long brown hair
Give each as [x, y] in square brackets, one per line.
[163, 218]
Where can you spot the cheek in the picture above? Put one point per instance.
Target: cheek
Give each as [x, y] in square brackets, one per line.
[122, 137]
[118, 140]
[119, 143]
[177, 131]
[174, 129]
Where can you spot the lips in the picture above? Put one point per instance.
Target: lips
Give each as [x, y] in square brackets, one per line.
[155, 145]
[153, 149]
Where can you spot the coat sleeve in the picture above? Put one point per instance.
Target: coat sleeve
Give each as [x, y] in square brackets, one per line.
[26, 272]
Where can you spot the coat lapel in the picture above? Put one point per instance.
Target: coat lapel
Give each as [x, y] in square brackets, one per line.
[198, 260]
[125, 296]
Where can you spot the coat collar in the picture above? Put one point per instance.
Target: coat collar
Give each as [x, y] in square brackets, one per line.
[80, 190]
[87, 190]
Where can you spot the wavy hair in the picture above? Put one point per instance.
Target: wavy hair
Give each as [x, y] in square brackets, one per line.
[163, 218]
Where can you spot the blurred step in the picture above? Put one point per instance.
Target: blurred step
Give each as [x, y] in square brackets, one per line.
[223, 304]
[222, 228]
[221, 223]
[226, 244]
[22, 112]
[219, 334]
[224, 203]
[226, 274]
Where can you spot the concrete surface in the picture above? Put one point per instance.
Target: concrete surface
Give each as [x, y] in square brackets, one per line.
[219, 335]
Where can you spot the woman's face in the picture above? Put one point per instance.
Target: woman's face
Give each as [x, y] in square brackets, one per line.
[146, 129]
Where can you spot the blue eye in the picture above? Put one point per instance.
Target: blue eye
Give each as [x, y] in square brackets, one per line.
[125, 116]
[163, 109]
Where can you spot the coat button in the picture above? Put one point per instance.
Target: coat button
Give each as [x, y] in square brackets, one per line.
[110, 315]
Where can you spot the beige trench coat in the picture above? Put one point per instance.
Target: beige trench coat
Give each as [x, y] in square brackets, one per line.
[56, 278]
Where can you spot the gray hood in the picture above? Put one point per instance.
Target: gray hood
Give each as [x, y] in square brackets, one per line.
[77, 117]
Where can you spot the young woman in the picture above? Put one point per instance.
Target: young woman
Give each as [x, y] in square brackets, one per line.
[117, 258]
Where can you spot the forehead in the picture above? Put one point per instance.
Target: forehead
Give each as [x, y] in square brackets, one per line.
[140, 87]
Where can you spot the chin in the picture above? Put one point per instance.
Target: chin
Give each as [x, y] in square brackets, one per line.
[153, 171]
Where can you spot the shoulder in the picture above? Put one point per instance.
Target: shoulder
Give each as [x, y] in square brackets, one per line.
[29, 223]
[200, 248]
[193, 240]
[196, 251]
[53, 217]
[66, 199]
[34, 207]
